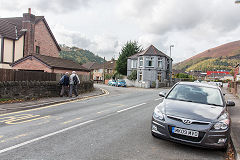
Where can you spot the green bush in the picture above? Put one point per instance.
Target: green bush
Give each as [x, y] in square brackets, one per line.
[133, 75]
[109, 76]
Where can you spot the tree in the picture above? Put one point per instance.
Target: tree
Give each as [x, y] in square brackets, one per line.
[129, 49]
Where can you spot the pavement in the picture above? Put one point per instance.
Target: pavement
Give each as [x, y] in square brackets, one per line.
[235, 117]
[13, 107]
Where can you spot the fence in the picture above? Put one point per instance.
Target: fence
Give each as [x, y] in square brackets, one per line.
[14, 75]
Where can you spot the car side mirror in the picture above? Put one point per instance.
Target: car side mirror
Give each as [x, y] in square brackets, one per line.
[162, 94]
[230, 103]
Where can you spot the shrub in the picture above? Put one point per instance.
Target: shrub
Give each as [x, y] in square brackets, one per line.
[133, 75]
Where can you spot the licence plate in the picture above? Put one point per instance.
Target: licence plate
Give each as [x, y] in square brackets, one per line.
[185, 132]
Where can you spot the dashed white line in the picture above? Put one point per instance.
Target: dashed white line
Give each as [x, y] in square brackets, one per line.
[158, 99]
[42, 137]
[131, 107]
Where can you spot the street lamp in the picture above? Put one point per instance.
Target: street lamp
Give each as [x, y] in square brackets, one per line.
[237, 1]
[171, 50]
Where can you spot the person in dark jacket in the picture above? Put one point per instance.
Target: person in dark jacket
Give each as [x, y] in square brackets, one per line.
[64, 81]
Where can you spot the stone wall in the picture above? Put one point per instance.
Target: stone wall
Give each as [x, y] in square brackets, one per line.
[36, 89]
[146, 84]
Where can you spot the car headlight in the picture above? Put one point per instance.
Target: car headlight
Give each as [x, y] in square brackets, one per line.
[223, 122]
[157, 114]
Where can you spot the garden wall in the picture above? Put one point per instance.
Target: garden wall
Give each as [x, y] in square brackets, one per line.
[36, 89]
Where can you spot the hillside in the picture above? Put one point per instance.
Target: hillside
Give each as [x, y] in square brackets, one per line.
[223, 55]
[79, 55]
[214, 64]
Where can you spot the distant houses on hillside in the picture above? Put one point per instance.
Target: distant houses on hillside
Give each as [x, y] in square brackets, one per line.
[99, 72]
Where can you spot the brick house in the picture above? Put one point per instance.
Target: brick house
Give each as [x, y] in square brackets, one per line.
[93, 67]
[97, 70]
[151, 65]
[50, 64]
[27, 43]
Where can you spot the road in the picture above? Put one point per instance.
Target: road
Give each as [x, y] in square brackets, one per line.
[113, 126]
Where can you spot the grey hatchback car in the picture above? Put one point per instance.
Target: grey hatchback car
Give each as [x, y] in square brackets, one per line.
[193, 113]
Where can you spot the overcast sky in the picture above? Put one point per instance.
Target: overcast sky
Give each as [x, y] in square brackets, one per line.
[104, 26]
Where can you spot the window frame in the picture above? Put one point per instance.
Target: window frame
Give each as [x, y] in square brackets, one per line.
[140, 61]
[140, 76]
[37, 49]
[133, 63]
[148, 60]
[160, 61]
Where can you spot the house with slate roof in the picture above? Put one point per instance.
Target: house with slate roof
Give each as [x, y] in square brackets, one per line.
[27, 43]
[97, 70]
[151, 65]
[94, 67]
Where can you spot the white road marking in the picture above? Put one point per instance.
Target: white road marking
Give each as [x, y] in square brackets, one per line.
[59, 104]
[42, 137]
[131, 107]
[158, 99]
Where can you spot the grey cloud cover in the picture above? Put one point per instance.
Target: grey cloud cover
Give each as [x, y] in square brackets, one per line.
[104, 26]
[56, 6]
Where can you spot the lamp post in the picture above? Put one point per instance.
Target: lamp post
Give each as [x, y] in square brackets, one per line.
[170, 65]
[171, 49]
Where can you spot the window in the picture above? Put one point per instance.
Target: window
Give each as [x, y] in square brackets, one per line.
[140, 61]
[37, 49]
[168, 65]
[134, 63]
[159, 77]
[149, 61]
[140, 76]
[160, 63]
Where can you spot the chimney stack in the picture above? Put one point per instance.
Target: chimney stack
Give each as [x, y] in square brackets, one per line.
[28, 24]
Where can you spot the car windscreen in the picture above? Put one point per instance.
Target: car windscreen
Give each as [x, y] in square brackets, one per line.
[197, 94]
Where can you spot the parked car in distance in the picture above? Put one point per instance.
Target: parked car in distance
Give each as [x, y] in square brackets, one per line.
[112, 82]
[195, 114]
[121, 83]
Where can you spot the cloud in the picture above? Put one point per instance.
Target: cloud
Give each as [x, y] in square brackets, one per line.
[192, 26]
[55, 6]
[163, 16]
[103, 45]
[104, 26]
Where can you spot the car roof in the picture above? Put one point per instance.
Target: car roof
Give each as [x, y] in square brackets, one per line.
[198, 84]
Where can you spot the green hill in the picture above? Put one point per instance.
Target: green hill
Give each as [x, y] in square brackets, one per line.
[223, 57]
[79, 55]
[214, 64]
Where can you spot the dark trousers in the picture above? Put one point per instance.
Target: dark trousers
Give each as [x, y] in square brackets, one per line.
[73, 88]
[64, 90]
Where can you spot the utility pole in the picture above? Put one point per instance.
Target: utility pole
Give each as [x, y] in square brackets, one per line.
[171, 50]
[170, 65]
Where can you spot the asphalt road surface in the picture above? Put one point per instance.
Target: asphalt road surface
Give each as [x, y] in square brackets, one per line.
[109, 127]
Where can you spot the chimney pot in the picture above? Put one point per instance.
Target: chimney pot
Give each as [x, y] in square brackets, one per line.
[29, 10]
